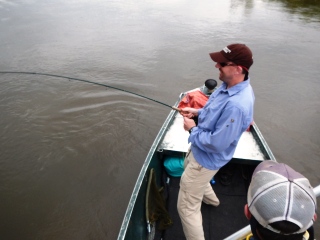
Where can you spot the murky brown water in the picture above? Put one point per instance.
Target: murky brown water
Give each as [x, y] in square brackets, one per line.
[70, 152]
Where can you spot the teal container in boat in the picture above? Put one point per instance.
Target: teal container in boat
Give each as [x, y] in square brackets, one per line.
[174, 165]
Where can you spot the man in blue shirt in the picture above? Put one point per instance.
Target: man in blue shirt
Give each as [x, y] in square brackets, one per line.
[226, 115]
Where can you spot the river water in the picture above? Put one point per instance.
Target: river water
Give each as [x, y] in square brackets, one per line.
[70, 152]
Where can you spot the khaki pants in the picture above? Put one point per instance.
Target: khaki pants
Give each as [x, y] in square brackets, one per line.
[194, 188]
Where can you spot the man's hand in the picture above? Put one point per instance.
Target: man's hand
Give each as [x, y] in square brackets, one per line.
[189, 112]
[188, 123]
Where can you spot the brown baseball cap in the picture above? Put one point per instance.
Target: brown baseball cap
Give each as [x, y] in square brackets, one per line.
[237, 53]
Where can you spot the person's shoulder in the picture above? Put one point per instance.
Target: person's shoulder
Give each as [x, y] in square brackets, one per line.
[244, 103]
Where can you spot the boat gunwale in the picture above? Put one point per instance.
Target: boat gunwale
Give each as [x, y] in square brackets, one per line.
[264, 145]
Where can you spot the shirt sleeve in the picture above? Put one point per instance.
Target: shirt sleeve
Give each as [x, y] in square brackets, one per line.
[227, 129]
[199, 111]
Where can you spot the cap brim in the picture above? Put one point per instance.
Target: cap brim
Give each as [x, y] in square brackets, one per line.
[218, 57]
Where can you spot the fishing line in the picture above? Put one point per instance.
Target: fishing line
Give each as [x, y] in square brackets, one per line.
[87, 81]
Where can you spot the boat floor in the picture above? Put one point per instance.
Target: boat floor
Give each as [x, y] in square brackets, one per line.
[218, 222]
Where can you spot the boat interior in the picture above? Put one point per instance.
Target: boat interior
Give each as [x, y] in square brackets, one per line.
[230, 185]
[155, 217]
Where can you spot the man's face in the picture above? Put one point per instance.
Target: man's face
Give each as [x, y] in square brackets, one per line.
[227, 71]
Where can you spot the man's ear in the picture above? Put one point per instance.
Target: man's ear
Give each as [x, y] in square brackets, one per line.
[315, 217]
[239, 68]
[247, 212]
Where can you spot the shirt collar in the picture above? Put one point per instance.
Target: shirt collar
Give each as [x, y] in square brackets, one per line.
[236, 88]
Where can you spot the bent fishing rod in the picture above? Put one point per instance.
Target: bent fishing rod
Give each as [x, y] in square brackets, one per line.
[91, 82]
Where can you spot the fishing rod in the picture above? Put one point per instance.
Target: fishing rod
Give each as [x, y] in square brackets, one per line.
[87, 81]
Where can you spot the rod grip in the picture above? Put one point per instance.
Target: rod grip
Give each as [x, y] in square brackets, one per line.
[177, 109]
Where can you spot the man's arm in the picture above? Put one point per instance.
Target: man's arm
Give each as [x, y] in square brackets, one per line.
[227, 129]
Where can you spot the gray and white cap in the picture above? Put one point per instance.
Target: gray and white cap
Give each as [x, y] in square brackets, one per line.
[277, 193]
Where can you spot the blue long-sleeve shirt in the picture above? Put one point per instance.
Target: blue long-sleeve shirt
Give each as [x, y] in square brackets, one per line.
[226, 115]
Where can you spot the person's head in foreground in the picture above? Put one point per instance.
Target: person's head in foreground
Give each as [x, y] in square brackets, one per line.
[281, 203]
